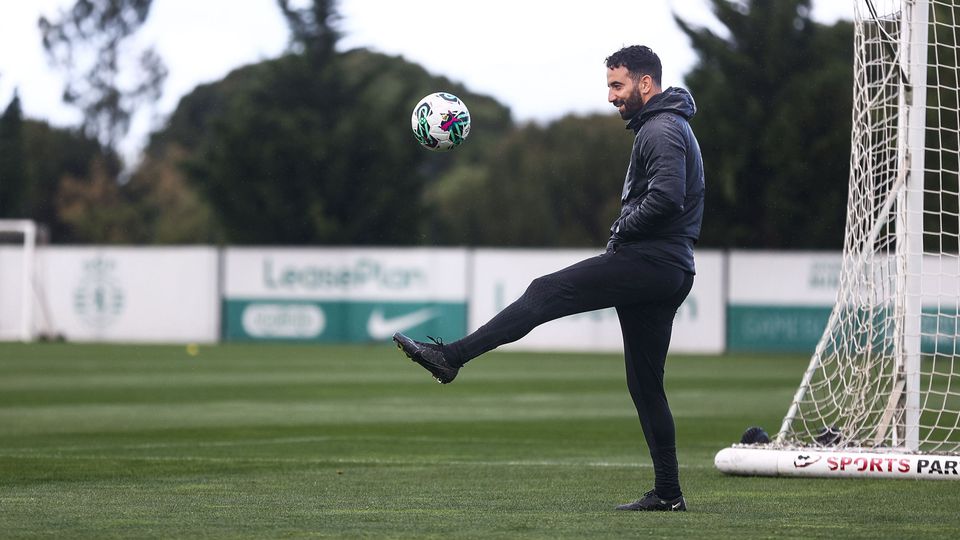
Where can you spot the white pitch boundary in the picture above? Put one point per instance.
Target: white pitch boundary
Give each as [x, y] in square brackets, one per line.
[850, 463]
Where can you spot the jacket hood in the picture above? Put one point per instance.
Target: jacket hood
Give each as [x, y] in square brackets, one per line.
[674, 100]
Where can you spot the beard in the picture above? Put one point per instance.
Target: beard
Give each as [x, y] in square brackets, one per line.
[631, 105]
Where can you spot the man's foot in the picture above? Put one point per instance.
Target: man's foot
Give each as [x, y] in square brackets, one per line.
[428, 355]
[652, 502]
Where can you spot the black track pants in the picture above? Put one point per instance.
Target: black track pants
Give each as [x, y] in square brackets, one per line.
[646, 294]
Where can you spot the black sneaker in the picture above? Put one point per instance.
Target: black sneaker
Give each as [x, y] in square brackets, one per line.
[652, 502]
[428, 355]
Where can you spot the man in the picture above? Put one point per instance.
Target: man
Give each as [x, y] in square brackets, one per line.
[646, 272]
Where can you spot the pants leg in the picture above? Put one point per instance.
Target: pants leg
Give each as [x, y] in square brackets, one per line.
[608, 280]
[646, 337]
[647, 295]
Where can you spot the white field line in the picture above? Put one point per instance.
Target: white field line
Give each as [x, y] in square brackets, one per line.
[363, 461]
[64, 453]
[274, 441]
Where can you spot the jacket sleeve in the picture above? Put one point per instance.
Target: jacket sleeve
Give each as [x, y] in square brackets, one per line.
[663, 159]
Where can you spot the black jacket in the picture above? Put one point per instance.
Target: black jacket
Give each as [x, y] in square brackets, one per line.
[662, 200]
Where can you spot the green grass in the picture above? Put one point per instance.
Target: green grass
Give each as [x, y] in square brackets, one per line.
[281, 441]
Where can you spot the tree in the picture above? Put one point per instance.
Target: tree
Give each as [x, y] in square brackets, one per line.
[169, 209]
[313, 147]
[313, 28]
[542, 185]
[284, 152]
[91, 42]
[50, 156]
[943, 133]
[774, 125]
[96, 209]
[13, 179]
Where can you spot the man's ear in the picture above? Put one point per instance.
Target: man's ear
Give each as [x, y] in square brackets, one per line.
[646, 84]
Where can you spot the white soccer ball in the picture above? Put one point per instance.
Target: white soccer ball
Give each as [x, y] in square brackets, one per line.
[440, 122]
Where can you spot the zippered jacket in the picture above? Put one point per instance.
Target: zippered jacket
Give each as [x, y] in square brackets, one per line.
[662, 199]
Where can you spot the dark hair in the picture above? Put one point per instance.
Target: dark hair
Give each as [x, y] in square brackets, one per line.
[639, 60]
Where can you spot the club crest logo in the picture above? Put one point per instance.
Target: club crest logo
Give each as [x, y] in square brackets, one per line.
[98, 300]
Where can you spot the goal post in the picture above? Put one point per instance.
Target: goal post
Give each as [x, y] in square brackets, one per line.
[881, 395]
[20, 326]
[909, 225]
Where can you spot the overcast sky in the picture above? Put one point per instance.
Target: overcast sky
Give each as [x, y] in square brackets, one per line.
[542, 58]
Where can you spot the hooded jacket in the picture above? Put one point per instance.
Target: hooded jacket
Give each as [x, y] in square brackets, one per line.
[662, 200]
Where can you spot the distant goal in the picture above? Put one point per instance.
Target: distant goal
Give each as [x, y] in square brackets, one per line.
[881, 395]
[23, 315]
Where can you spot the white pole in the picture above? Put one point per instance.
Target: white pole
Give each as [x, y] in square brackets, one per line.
[26, 304]
[29, 231]
[910, 215]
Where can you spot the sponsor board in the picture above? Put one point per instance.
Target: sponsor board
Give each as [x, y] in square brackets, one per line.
[343, 295]
[798, 329]
[768, 301]
[119, 294]
[500, 276]
[346, 274]
[781, 301]
[773, 278]
[775, 328]
[331, 321]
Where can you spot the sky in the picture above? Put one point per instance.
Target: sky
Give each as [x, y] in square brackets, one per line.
[541, 58]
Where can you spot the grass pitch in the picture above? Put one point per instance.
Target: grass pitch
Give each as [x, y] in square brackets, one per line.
[242, 441]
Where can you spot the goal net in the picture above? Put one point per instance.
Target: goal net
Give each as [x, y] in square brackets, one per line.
[885, 376]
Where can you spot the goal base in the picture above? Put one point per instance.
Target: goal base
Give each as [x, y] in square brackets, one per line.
[824, 463]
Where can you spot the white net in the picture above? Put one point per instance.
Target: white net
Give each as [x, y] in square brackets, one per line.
[886, 373]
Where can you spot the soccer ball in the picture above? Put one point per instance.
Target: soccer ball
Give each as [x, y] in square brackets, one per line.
[440, 122]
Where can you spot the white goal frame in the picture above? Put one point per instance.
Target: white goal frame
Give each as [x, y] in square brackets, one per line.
[885, 439]
[28, 229]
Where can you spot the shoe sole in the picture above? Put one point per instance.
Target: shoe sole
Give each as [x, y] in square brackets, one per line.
[650, 509]
[633, 507]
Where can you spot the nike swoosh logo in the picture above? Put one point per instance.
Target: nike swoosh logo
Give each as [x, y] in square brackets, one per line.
[380, 327]
[675, 506]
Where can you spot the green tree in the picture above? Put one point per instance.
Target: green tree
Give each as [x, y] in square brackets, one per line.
[774, 124]
[96, 209]
[53, 155]
[13, 179]
[312, 28]
[169, 209]
[555, 185]
[942, 159]
[286, 152]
